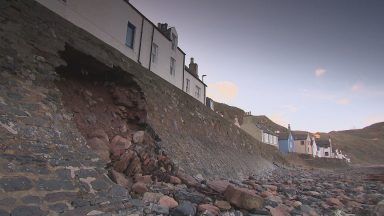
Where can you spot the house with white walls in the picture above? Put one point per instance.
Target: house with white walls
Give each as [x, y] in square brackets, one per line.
[313, 145]
[259, 131]
[324, 147]
[119, 24]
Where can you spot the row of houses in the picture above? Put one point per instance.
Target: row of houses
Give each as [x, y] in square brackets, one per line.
[119, 24]
[300, 142]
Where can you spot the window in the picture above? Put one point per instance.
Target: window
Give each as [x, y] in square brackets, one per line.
[197, 93]
[172, 68]
[302, 142]
[326, 154]
[187, 86]
[129, 39]
[174, 41]
[155, 51]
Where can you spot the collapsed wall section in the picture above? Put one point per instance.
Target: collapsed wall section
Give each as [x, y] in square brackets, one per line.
[196, 138]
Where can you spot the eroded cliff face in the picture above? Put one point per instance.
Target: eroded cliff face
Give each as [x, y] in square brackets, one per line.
[60, 87]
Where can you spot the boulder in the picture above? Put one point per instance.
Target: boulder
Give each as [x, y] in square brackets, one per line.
[150, 197]
[194, 197]
[243, 198]
[138, 137]
[223, 205]
[187, 179]
[218, 185]
[280, 210]
[168, 201]
[186, 208]
[174, 180]
[139, 188]
[118, 145]
[122, 164]
[147, 179]
[334, 202]
[210, 208]
[121, 179]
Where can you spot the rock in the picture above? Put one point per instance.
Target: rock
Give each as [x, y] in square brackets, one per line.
[159, 209]
[271, 187]
[94, 213]
[280, 210]
[210, 208]
[168, 201]
[174, 180]
[100, 134]
[139, 188]
[379, 209]
[296, 204]
[138, 137]
[313, 193]
[223, 205]
[307, 210]
[334, 202]
[194, 197]
[199, 178]
[218, 185]
[122, 164]
[121, 179]
[266, 194]
[10, 184]
[273, 201]
[243, 198]
[187, 179]
[147, 179]
[186, 208]
[119, 145]
[150, 197]
[100, 147]
[27, 211]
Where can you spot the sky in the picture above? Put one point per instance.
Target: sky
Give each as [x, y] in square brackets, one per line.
[315, 64]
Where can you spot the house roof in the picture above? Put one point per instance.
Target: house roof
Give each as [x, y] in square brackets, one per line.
[323, 143]
[283, 136]
[300, 135]
[265, 129]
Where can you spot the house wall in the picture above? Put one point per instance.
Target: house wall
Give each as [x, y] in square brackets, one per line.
[303, 148]
[108, 20]
[251, 129]
[192, 88]
[286, 146]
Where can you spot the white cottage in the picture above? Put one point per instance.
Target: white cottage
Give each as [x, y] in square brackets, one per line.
[119, 24]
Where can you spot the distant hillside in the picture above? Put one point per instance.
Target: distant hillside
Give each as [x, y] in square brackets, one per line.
[229, 112]
[268, 123]
[363, 146]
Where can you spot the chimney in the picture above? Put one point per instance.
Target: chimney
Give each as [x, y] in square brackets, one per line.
[163, 26]
[193, 68]
[289, 127]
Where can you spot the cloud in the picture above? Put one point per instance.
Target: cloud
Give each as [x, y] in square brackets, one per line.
[319, 72]
[357, 87]
[223, 91]
[291, 108]
[343, 101]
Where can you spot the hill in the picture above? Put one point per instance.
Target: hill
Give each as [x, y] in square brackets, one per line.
[363, 146]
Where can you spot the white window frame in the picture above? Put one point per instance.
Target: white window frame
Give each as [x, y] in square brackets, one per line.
[155, 52]
[187, 85]
[130, 44]
[172, 69]
[197, 92]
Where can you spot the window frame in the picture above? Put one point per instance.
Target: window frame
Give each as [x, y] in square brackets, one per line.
[197, 92]
[130, 43]
[172, 68]
[187, 85]
[155, 52]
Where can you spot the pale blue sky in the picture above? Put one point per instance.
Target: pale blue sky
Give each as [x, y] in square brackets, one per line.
[316, 64]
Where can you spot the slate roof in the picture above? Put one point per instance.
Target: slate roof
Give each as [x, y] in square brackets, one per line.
[323, 143]
[265, 129]
[300, 135]
[283, 136]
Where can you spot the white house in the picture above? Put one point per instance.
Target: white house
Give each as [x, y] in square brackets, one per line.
[258, 131]
[119, 24]
[314, 146]
[324, 147]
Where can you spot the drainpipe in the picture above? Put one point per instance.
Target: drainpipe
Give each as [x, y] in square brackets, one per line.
[141, 38]
[150, 54]
[183, 72]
